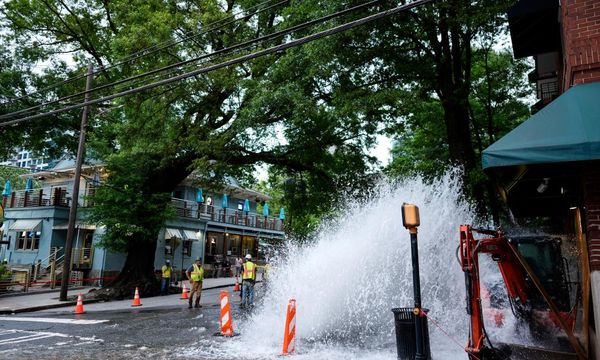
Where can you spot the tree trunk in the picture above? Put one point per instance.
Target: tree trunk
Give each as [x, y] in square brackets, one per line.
[460, 146]
[138, 270]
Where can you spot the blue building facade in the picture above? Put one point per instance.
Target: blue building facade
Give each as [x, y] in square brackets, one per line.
[35, 226]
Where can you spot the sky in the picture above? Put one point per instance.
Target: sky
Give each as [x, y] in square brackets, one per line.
[382, 151]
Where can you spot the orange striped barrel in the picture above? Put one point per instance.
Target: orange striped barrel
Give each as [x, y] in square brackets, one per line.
[289, 335]
[226, 324]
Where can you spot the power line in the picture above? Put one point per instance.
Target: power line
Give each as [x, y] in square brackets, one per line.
[239, 46]
[238, 60]
[154, 49]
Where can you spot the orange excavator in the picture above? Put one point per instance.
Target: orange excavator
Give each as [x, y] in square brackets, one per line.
[537, 284]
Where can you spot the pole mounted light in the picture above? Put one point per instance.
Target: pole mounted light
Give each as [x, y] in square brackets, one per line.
[410, 217]
[411, 221]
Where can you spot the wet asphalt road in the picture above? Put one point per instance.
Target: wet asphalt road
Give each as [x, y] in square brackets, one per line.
[158, 333]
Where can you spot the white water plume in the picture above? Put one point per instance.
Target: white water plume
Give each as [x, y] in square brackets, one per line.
[357, 270]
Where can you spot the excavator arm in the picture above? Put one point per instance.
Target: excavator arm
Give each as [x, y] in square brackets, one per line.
[515, 272]
[497, 246]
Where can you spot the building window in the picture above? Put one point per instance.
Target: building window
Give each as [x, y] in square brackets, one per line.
[28, 240]
[235, 244]
[187, 247]
[248, 245]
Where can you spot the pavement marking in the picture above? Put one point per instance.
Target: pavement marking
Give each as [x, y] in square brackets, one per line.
[53, 320]
[22, 336]
[26, 336]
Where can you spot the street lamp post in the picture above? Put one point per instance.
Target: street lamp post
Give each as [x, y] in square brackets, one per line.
[410, 220]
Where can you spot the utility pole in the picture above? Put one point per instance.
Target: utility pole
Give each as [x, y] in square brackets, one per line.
[66, 272]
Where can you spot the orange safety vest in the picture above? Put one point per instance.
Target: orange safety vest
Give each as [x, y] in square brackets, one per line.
[249, 271]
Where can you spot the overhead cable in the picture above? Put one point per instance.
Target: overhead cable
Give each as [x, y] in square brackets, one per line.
[238, 60]
[154, 49]
[239, 46]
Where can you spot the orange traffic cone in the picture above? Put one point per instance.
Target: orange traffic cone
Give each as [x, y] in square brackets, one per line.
[79, 306]
[237, 286]
[136, 298]
[226, 324]
[184, 293]
[289, 335]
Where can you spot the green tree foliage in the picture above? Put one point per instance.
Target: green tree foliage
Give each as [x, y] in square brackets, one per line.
[310, 113]
[497, 104]
[287, 110]
[13, 174]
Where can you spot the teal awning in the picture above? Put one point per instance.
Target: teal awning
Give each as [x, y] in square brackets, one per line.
[567, 129]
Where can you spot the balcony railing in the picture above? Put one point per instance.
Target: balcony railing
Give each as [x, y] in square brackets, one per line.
[58, 196]
[548, 89]
[36, 198]
[193, 210]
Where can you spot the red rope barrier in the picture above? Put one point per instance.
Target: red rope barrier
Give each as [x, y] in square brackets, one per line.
[423, 313]
[70, 281]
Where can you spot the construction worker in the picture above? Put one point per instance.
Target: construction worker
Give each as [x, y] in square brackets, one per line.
[4, 270]
[166, 277]
[248, 280]
[195, 275]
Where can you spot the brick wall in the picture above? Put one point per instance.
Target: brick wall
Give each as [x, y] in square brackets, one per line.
[592, 216]
[581, 41]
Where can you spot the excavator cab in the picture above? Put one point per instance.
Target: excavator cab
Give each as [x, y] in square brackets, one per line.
[544, 256]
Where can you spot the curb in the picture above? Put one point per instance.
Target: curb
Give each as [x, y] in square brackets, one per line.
[46, 307]
[8, 295]
[73, 303]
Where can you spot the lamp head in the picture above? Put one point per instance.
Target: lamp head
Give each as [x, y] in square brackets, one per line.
[410, 216]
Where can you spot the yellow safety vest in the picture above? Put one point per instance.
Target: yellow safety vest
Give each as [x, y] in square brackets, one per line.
[249, 271]
[198, 273]
[166, 272]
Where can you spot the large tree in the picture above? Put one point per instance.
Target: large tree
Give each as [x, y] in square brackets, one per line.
[275, 110]
[310, 112]
[497, 103]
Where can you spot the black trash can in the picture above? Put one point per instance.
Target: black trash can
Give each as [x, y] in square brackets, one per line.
[404, 320]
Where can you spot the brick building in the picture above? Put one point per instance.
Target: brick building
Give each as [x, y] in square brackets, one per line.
[548, 168]
[581, 41]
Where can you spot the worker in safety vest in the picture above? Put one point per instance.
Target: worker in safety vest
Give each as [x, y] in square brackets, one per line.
[248, 280]
[5, 271]
[195, 274]
[166, 277]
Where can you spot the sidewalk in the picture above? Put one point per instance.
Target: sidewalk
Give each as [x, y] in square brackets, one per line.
[49, 300]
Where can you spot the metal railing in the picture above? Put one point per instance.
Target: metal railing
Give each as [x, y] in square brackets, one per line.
[548, 89]
[58, 196]
[82, 257]
[189, 209]
[37, 198]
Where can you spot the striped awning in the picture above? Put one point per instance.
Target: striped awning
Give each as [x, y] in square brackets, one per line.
[191, 235]
[78, 225]
[26, 225]
[171, 233]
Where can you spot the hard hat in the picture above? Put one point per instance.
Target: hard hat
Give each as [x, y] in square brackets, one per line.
[198, 258]
[248, 257]
[168, 261]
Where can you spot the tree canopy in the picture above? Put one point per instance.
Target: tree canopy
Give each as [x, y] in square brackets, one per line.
[310, 113]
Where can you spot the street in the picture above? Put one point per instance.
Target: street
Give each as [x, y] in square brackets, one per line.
[161, 328]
